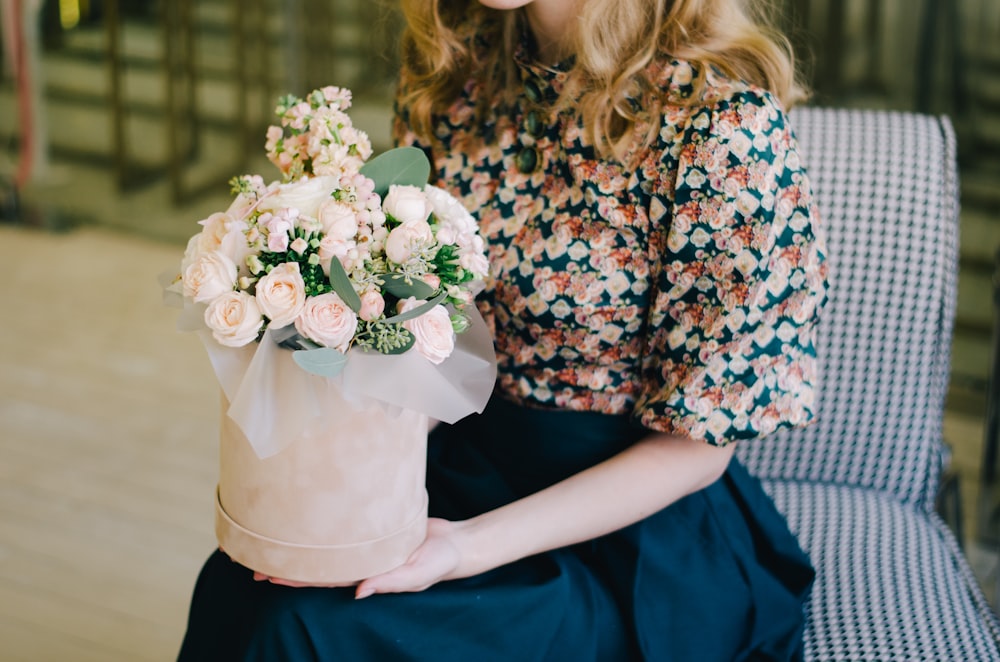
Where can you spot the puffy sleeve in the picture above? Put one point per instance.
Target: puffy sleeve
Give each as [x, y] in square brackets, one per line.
[738, 275]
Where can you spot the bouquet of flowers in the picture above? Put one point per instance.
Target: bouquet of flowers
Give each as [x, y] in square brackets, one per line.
[344, 253]
[367, 274]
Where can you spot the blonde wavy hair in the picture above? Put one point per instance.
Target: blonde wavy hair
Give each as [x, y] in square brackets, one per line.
[447, 42]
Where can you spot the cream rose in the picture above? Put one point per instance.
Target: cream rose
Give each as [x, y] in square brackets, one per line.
[407, 204]
[339, 220]
[211, 275]
[281, 294]
[406, 239]
[432, 332]
[327, 320]
[305, 195]
[234, 319]
[213, 229]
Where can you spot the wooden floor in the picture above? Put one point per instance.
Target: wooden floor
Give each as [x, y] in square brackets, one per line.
[108, 450]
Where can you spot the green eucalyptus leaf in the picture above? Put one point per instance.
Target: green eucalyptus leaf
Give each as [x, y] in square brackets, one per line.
[416, 312]
[406, 166]
[341, 284]
[397, 285]
[287, 337]
[325, 361]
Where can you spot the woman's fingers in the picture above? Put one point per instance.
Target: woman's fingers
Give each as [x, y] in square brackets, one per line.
[436, 559]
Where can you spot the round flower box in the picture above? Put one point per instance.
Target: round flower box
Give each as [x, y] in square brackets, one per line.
[340, 504]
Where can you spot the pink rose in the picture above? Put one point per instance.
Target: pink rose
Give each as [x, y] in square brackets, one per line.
[234, 319]
[432, 332]
[372, 306]
[462, 295]
[281, 294]
[327, 320]
[407, 204]
[209, 276]
[406, 239]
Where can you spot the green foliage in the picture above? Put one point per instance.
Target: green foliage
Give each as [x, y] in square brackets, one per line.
[384, 338]
[323, 361]
[341, 284]
[403, 286]
[407, 166]
[315, 280]
[447, 268]
[416, 312]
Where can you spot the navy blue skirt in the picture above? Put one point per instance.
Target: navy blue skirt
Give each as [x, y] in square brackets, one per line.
[716, 576]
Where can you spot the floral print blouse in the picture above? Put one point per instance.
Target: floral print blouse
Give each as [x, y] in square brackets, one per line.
[683, 292]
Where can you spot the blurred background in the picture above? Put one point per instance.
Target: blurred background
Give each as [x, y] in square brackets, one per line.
[120, 124]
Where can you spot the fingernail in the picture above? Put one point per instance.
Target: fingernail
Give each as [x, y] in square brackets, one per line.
[363, 593]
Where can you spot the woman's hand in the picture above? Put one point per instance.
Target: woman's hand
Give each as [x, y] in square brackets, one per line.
[437, 558]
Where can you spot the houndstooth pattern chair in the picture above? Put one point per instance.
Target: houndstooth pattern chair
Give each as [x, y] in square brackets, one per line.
[858, 487]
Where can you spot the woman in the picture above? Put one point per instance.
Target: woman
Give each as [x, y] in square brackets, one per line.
[656, 276]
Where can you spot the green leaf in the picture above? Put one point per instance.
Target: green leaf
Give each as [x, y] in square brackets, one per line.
[341, 284]
[407, 166]
[416, 312]
[325, 361]
[396, 284]
[405, 347]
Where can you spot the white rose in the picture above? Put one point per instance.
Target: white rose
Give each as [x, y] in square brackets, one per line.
[475, 263]
[236, 245]
[406, 204]
[326, 319]
[306, 195]
[220, 231]
[406, 239]
[432, 332]
[339, 220]
[454, 220]
[234, 319]
[209, 276]
[191, 253]
[213, 229]
[281, 294]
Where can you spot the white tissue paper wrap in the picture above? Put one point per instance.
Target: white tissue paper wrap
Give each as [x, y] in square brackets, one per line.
[251, 376]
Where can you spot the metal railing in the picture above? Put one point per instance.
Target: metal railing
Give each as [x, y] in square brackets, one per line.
[294, 45]
[272, 46]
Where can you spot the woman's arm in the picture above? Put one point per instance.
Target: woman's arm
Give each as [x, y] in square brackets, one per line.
[646, 477]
